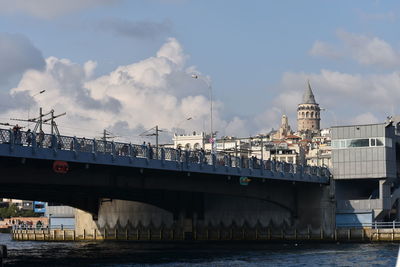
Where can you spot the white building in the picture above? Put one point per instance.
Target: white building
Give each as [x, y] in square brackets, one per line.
[191, 141]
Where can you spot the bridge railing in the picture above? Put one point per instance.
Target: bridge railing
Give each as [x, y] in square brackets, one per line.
[375, 225]
[144, 151]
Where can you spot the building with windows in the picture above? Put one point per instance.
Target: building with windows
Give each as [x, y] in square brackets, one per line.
[365, 160]
[190, 141]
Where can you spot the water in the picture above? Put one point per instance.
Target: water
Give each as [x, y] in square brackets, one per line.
[197, 255]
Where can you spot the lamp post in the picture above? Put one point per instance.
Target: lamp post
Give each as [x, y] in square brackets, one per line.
[196, 76]
[33, 97]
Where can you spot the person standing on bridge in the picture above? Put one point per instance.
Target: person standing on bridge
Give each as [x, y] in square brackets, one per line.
[150, 149]
[17, 134]
[29, 137]
[41, 138]
[144, 149]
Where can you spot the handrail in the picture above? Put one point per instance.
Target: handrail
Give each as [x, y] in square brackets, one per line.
[78, 144]
[376, 225]
[43, 228]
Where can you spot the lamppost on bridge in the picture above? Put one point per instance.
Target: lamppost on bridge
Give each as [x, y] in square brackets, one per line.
[33, 97]
[208, 83]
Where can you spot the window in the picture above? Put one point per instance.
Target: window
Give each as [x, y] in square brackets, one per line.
[376, 142]
[361, 142]
[372, 142]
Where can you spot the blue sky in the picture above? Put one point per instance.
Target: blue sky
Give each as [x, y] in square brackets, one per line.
[257, 54]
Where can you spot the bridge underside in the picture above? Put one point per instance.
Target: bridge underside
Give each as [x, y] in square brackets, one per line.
[169, 196]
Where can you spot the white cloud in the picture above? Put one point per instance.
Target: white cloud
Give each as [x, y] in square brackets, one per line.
[48, 9]
[17, 54]
[156, 91]
[368, 50]
[159, 91]
[371, 96]
[365, 50]
[323, 49]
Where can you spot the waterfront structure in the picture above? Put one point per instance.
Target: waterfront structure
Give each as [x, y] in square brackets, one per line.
[60, 216]
[308, 114]
[365, 170]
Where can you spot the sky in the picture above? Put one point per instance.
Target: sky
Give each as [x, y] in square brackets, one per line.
[127, 66]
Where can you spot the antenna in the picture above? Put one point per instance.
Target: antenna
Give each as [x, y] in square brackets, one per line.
[107, 135]
[40, 121]
[155, 133]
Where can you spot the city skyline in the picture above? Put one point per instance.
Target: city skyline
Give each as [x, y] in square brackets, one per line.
[126, 65]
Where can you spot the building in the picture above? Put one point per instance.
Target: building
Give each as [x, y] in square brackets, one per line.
[191, 141]
[60, 216]
[365, 170]
[308, 114]
[309, 146]
[284, 129]
[319, 152]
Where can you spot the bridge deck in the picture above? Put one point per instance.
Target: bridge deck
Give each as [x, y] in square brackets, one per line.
[91, 151]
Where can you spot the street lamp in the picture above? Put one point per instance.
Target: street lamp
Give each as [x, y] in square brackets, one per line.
[33, 96]
[196, 76]
[41, 92]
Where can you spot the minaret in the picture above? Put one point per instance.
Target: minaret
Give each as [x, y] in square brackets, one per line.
[308, 113]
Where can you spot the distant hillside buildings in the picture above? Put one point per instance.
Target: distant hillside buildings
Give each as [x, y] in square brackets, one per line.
[309, 145]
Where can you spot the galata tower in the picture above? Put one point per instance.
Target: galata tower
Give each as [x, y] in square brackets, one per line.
[308, 113]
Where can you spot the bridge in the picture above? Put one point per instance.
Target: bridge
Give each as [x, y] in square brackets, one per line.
[177, 186]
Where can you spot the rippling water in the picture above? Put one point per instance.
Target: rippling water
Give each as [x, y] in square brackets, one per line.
[194, 254]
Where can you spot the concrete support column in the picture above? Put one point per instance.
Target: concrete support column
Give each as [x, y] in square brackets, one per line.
[397, 210]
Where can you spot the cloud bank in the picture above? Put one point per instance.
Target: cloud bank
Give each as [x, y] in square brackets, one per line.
[48, 9]
[132, 98]
[17, 54]
[160, 91]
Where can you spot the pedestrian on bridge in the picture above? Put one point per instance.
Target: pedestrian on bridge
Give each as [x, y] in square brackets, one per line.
[17, 134]
[41, 138]
[150, 149]
[28, 137]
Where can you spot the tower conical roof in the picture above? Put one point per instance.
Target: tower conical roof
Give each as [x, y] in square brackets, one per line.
[308, 97]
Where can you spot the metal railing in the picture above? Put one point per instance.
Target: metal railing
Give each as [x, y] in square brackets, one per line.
[375, 225]
[43, 228]
[20, 138]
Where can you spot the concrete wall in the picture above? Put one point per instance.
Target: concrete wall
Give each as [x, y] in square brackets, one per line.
[62, 211]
